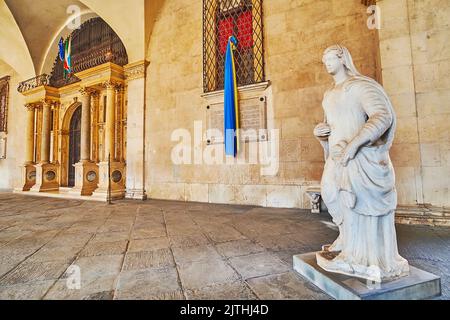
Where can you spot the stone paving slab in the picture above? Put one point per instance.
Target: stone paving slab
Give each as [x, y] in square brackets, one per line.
[156, 283]
[149, 244]
[148, 259]
[228, 291]
[238, 248]
[174, 250]
[285, 286]
[200, 274]
[257, 265]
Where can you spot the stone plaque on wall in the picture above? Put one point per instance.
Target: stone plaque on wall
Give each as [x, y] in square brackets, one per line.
[252, 120]
[2, 147]
[4, 92]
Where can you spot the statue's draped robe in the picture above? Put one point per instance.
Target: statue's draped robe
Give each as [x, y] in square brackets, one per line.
[361, 197]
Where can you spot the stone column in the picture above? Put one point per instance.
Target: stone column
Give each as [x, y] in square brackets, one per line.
[86, 171]
[46, 172]
[28, 170]
[29, 144]
[135, 154]
[111, 174]
[46, 129]
[110, 128]
[85, 125]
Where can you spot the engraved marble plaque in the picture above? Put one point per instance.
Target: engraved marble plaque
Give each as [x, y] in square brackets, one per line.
[252, 120]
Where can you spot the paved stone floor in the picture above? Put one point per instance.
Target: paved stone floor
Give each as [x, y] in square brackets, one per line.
[173, 250]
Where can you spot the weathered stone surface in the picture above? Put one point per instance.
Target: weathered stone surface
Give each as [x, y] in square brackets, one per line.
[194, 254]
[188, 241]
[111, 237]
[149, 244]
[226, 291]
[208, 277]
[26, 291]
[149, 284]
[285, 286]
[93, 287]
[148, 259]
[104, 248]
[205, 273]
[29, 271]
[257, 265]
[98, 266]
[238, 248]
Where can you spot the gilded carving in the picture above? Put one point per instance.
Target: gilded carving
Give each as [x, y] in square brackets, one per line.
[135, 71]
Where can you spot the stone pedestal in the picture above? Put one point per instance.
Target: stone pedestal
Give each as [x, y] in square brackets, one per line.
[115, 187]
[86, 178]
[28, 176]
[417, 285]
[46, 178]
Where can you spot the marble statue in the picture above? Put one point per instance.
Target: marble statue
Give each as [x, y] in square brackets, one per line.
[358, 183]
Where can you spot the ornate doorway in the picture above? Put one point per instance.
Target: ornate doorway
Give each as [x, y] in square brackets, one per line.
[74, 145]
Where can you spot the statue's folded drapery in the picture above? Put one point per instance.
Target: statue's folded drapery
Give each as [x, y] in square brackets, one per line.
[361, 197]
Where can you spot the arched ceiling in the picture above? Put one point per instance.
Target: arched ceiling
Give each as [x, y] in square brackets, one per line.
[35, 26]
[13, 48]
[39, 22]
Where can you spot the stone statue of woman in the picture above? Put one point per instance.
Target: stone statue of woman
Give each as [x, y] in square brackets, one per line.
[358, 183]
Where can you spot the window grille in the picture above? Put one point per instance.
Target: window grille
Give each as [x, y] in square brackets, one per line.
[242, 19]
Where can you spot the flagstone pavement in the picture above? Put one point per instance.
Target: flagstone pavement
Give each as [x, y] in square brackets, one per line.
[173, 250]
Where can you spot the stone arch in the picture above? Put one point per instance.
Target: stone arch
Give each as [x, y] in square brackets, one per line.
[49, 58]
[13, 48]
[64, 142]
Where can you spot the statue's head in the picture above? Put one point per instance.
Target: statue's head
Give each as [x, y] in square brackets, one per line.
[336, 58]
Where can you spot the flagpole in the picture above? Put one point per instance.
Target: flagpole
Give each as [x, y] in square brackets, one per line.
[109, 179]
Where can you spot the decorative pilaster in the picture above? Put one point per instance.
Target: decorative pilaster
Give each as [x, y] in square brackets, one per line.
[135, 74]
[110, 119]
[85, 124]
[28, 170]
[29, 143]
[111, 174]
[86, 171]
[46, 172]
[54, 134]
[46, 129]
[95, 98]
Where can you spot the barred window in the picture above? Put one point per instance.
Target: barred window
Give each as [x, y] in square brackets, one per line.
[242, 19]
[4, 92]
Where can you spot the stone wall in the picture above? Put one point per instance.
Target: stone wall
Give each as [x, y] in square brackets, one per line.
[415, 54]
[10, 168]
[296, 33]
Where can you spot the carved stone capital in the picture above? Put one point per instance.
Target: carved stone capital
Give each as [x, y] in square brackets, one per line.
[87, 91]
[136, 70]
[30, 106]
[109, 85]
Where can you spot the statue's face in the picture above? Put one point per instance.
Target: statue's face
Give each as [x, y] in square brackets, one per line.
[332, 63]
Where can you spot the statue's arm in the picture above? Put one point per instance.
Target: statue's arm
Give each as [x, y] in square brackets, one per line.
[379, 120]
[380, 117]
[326, 148]
[322, 132]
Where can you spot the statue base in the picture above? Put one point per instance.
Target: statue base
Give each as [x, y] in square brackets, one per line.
[417, 285]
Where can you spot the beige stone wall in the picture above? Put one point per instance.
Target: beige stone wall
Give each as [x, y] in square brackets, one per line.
[415, 54]
[296, 33]
[10, 168]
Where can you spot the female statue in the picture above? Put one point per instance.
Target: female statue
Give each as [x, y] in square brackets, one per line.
[358, 183]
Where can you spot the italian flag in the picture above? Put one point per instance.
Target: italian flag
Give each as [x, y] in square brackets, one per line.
[67, 56]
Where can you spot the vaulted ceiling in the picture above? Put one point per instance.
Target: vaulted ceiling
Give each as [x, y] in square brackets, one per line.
[30, 29]
[40, 22]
